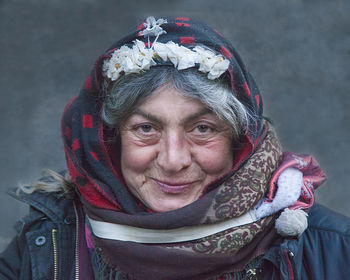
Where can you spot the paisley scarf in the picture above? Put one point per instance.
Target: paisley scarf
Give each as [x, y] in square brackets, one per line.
[210, 256]
[93, 163]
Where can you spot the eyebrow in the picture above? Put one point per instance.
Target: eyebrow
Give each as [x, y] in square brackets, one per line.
[190, 118]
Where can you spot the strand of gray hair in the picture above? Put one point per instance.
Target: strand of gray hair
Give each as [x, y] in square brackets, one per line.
[130, 90]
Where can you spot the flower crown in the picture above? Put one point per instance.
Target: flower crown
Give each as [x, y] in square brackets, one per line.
[138, 57]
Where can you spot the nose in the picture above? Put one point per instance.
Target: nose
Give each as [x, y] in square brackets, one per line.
[174, 154]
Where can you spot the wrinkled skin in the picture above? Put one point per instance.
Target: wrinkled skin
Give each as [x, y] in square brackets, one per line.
[172, 148]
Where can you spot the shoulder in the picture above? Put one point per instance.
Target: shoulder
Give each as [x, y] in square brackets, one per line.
[326, 245]
[52, 195]
[323, 219]
[51, 220]
[51, 205]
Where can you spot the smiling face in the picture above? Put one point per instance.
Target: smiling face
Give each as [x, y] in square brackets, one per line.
[172, 147]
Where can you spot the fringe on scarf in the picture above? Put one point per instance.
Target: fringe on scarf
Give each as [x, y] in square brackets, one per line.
[103, 272]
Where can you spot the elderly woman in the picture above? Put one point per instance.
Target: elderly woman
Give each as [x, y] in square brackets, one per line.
[173, 173]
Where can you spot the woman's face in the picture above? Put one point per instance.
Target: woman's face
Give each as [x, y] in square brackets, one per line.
[173, 147]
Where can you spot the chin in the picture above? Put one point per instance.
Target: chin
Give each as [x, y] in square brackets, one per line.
[168, 206]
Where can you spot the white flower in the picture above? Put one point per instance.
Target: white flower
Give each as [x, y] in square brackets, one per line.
[153, 27]
[173, 53]
[187, 58]
[161, 50]
[204, 53]
[112, 69]
[141, 57]
[218, 68]
[137, 58]
[180, 56]
[129, 60]
[210, 62]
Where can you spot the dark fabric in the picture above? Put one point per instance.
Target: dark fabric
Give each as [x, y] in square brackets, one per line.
[27, 257]
[320, 253]
[327, 237]
[139, 263]
[84, 270]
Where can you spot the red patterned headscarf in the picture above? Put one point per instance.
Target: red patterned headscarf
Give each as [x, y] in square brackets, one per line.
[90, 157]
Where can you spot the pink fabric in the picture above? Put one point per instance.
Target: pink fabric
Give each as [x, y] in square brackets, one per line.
[88, 238]
[313, 177]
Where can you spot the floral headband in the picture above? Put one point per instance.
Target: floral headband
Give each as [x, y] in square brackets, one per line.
[137, 58]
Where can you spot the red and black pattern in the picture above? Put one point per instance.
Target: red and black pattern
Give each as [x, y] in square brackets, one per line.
[93, 153]
[93, 159]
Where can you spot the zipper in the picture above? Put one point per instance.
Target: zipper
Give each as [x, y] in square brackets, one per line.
[289, 264]
[55, 255]
[76, 243]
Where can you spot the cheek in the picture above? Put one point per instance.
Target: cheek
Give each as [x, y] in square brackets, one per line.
[215, 157]
[135, 158]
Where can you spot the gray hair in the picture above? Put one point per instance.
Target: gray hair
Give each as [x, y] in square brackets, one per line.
[124, 95]
[51, 181]
[129, 91]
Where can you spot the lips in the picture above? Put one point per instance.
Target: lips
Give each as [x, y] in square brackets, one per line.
[174, 187]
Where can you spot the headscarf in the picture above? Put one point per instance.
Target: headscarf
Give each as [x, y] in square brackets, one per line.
[84, 132]
[94, 167]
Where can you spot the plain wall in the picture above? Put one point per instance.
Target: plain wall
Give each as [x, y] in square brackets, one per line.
[298, 51]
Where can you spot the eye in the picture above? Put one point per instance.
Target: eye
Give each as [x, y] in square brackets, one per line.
[203, 129]
[146, 131]
[145, 128]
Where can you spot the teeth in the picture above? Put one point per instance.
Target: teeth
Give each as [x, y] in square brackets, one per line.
[173, 186]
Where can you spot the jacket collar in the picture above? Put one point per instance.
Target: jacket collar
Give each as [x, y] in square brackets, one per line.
[56, 208]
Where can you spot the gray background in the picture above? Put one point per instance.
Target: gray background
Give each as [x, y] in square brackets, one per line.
[298, 51]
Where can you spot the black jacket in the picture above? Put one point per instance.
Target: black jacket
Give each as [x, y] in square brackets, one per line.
[44, 247]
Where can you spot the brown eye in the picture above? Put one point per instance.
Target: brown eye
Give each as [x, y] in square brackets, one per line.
[145, 128]
[202, 128]
[147, 131]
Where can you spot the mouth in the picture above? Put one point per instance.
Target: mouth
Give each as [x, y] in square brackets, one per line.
[174, 187]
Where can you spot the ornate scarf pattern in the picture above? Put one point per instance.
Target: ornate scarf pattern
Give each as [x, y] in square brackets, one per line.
[234, 197]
